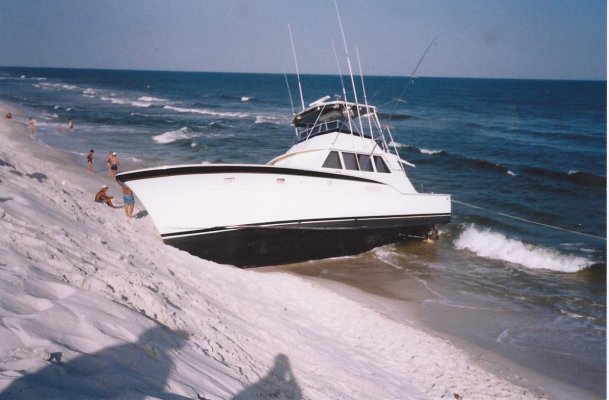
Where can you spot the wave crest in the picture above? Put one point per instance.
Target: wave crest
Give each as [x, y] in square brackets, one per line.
[172, 136]
[489, 244]
[151, 99]
[582, 178]
[206, 112]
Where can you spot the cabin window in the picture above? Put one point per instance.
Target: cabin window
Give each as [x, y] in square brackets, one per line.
[380, 165]
[365, 162]
[333, 161]
[350, 161]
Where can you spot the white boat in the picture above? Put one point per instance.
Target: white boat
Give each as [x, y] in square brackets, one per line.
[339, 190]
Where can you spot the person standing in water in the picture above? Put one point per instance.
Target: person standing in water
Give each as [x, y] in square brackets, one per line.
[109, 163]
[114, 163]
[90, 161]
[32, 123]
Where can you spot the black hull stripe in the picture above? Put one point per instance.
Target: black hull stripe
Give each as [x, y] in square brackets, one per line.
[316, 224]
[256, 246]
[236, 169]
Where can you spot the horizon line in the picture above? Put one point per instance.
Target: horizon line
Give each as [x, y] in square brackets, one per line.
[303, 74]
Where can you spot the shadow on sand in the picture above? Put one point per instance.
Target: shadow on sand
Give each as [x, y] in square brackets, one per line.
[279, 383]
[130, 371]
[141, 214]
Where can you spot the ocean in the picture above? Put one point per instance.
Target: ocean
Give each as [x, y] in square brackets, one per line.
[520, 158]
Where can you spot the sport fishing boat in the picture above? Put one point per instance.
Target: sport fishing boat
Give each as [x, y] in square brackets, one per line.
[341, 189]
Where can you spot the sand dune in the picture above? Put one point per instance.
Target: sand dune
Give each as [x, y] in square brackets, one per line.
[93, 305]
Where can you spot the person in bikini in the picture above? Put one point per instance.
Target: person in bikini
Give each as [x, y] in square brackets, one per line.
[90, 161]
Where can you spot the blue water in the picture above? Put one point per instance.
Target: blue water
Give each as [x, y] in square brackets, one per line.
[530, 149]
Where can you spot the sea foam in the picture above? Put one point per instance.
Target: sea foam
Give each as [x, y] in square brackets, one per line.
[151, 99]
[203, 111]
[172, 136]
[427, 151]
[494, 245]
[270, 119]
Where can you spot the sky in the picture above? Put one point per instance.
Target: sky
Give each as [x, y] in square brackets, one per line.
[532, 39]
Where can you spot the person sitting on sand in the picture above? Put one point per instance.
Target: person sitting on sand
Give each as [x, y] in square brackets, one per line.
[9, 115]
[103, 197]
[129, 201]
[90, 161]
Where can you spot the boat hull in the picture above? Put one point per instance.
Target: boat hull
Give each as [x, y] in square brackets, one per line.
[272, 244]
[252, 215]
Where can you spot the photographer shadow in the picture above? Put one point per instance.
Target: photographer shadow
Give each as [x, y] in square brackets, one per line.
[279, 383]
[132, 370]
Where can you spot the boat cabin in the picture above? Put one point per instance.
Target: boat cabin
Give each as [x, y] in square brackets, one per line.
[355, 162]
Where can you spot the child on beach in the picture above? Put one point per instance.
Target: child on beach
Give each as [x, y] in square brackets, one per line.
[102, 197]
[90, 161]
[70, 123]
[129, 201]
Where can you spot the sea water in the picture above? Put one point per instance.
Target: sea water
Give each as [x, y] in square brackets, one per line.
[519, 157]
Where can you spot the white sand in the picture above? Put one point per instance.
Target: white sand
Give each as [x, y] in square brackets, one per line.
[78, 278]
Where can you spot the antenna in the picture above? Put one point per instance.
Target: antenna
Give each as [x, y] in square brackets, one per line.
[340, 23]
[296, 63]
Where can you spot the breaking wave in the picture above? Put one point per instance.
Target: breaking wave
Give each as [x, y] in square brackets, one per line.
[88, 92]
[426, 151]
[203, 111]
[488, 244]
[118, 100]
[173, 136]
[55, 86]
[151, 99]
[269, 119]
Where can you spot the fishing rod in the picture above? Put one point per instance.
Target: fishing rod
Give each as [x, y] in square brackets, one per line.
[297, 72]
[289, 90]
[342, 32]
[411, 79]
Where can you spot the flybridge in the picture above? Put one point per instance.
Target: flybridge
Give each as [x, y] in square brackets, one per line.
[319, 111]
[336, 117]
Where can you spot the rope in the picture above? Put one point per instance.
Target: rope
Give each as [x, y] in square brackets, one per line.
[529, 221]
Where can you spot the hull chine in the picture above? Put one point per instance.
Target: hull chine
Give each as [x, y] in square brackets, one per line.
[295, 241]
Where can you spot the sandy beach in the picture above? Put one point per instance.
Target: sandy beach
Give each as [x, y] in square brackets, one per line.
[94, 305]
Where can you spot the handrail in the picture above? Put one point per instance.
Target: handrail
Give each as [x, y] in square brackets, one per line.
[325, 127]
